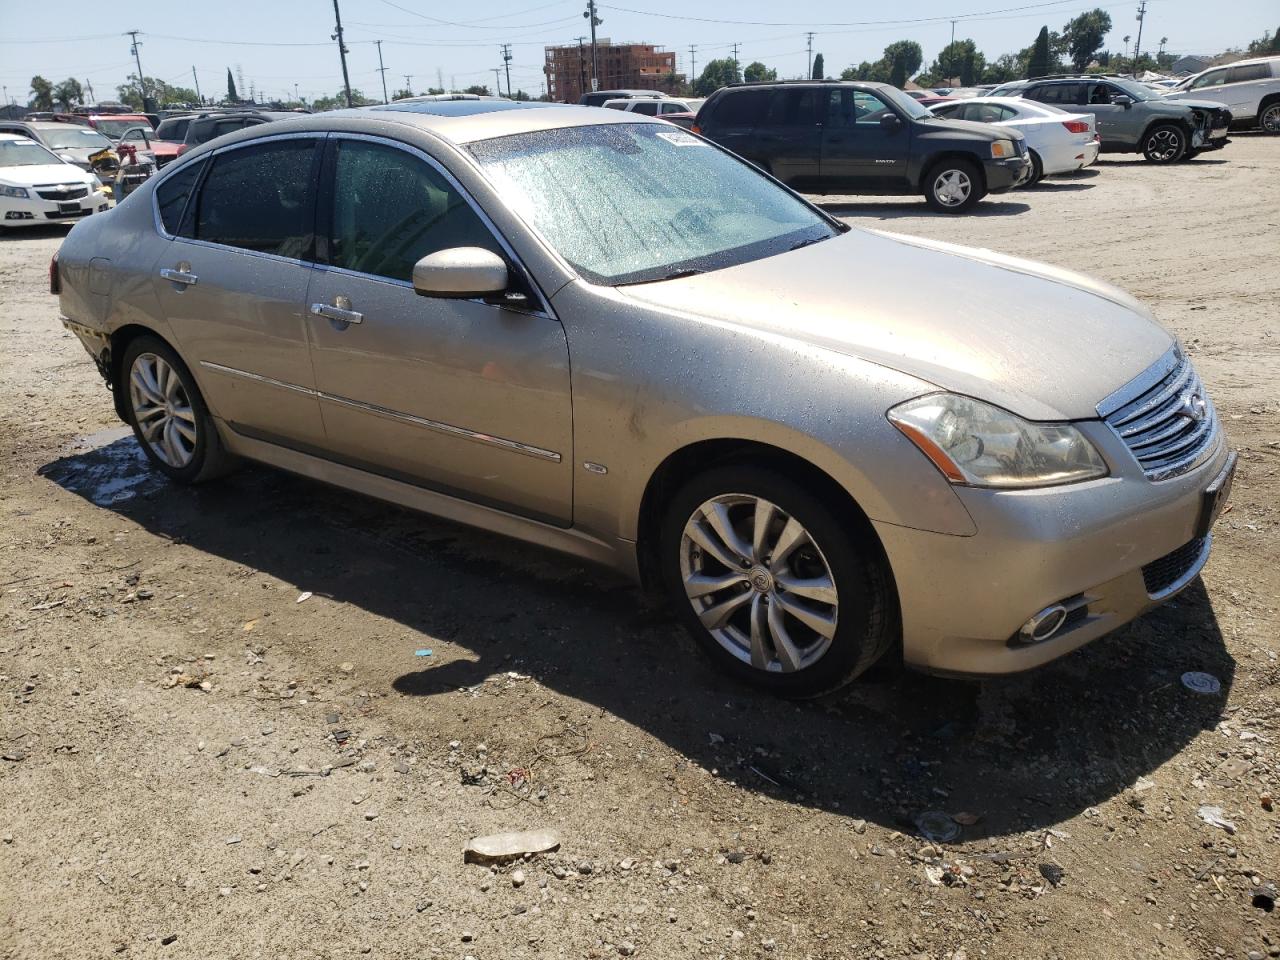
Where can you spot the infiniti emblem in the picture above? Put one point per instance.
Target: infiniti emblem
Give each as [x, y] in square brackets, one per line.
[1193, 407]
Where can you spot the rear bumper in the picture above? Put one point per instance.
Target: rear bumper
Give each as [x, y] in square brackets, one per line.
[1006, 174]
[1109, 550]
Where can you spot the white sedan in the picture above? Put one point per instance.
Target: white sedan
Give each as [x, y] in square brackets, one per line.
[36, 186]
[1059, 142]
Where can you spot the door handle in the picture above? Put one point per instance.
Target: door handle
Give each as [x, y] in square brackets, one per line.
[183, 276]
[336, 313]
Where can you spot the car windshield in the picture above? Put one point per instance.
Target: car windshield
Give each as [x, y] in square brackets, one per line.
[1135, 90]
[113, 128]
[639, 202]
[908, 105]
[75, 138]
[24, 153]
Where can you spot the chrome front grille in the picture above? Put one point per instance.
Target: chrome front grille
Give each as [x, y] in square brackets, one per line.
[1165, 418]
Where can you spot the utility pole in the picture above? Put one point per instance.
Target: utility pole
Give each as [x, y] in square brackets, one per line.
[408, 83]
[296, 97]
[196, 81]
[383, 71]
[735, 46]
[142, 91]
[342, 51]
[506, 62]
[693, 64]
[582, 68]
[497, 79]
[1137, 44]
[89, 86]
[951, 55]
[595, 22]
[808, 74]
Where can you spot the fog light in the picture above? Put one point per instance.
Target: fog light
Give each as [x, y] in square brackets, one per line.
[1044, 624]
[19, 215]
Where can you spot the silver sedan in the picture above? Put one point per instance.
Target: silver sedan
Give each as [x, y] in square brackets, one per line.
[606, 335]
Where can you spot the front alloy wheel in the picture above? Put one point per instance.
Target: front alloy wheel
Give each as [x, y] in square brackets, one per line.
[759, 583]
[1270, 119]
[1164, 144]
[953, 186]
[162, 410]
[782, 589]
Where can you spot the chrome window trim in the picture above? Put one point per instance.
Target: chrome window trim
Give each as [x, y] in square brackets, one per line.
[544, 308]
[172, 168]
[513, 446]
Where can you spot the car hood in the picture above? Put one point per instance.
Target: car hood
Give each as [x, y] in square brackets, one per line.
[973, 128]
[1043, 342]
[1197, 104]
[43, 173]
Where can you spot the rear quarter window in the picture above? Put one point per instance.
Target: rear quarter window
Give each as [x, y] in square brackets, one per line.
[740, 109]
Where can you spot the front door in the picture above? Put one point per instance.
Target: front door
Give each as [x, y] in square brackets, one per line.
[233, 281]
[859, 152]
[1116, 122]
[465, 397]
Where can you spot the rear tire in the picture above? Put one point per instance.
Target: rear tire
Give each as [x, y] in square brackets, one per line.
[1269, 118]
[1037, 169]
[1164, 143]
[800, 608]
[169, 417]
[953, 186]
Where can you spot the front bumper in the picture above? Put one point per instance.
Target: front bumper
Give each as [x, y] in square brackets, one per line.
[1007, 173]
[964, 599]
[35, 210]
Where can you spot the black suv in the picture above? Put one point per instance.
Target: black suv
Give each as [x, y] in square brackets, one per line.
[836, 136]
[206, 126]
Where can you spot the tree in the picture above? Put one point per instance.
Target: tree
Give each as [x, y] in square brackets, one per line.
[1039, 65]
[478, 90]
[1267, 43]
[232, 96]
[960, 59]
[903, 58]
[1084, 34]
[41, 93]
[757, 72]
[67, 93]
[402, 94]
[339, 101]
[716, 74]
[819, 68]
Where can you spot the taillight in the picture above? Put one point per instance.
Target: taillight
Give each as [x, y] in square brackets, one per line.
[1076, 126]
[695, 129]
[55, 279]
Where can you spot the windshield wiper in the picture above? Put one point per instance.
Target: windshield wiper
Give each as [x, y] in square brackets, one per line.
[674, 275]
[804, 243]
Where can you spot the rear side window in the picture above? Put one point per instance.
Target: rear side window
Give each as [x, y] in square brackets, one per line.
[260, 198]
[1058, 93]
[172, 194]
[740, 109]
[391, 209]
[675, 108]
[647, 107]
[1253, 71]
[173, 129]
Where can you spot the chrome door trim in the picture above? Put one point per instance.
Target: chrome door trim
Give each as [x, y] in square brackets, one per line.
[513, 446]
[544, 305]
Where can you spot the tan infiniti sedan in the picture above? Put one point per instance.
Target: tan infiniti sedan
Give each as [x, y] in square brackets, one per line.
[603, 334]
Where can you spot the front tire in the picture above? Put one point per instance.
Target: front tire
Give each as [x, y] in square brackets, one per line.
[953, 186]
[169, 417]
[776, 589]
[1269, 119]
[1037, 169]
[1164, 143]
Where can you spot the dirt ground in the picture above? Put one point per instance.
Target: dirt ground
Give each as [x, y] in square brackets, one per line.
[313, 797]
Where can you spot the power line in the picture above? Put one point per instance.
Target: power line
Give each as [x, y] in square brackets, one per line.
[849, 23]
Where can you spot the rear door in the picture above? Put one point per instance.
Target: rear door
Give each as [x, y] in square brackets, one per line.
[731, 122]
[1246, 85]
[466, 397]
[233, 279]
[859, 153]
[789, 135]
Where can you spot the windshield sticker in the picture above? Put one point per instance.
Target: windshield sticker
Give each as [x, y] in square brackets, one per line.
[680, 138]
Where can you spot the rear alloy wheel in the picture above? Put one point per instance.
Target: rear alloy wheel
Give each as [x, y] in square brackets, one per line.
[1164, 143]
[953, 186]
[771, 584]
[1270, 118]
[168, 415]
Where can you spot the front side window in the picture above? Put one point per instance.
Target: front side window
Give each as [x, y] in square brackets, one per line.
[260, 198]
[1214, 78]
[391, 209]
[172, 194]
[635, 202]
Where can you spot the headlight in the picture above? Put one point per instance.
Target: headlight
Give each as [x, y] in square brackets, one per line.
[1002, 149]
[67, 157]
[19, 192]
[977, 444]
[97, 184]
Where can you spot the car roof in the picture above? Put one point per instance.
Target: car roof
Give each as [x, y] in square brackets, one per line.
[459, 122]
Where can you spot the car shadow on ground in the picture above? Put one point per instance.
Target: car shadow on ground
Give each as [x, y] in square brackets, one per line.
[1017, 753]
[1058, 186]
[894, 210]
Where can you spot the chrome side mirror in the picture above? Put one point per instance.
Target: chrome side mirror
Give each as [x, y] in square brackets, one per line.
[461, 273]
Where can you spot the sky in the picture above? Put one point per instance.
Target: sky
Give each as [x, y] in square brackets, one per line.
[276, 44]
